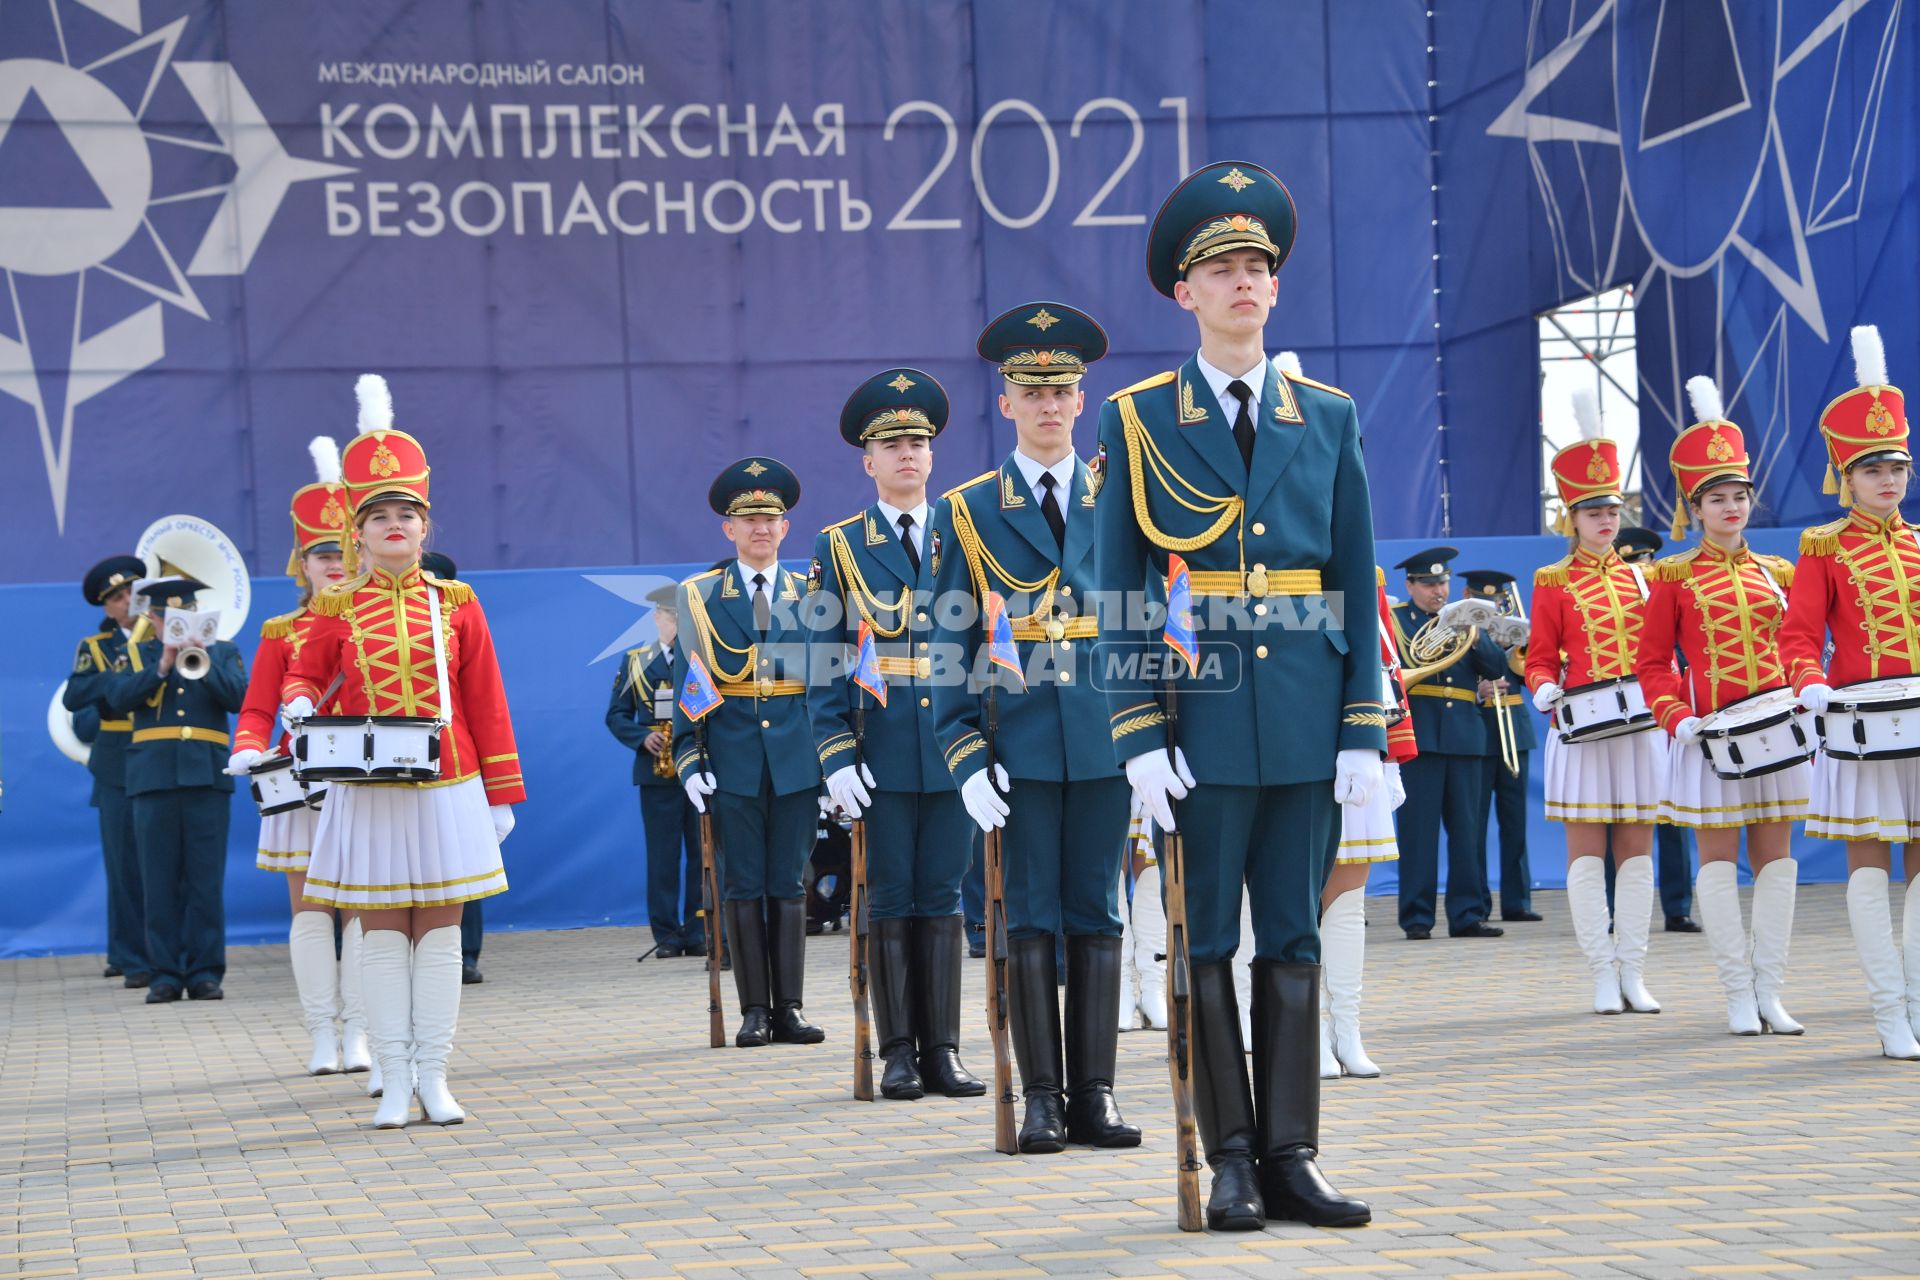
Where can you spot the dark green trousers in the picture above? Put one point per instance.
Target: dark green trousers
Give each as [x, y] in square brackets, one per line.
[182, 837]
[1063, 845]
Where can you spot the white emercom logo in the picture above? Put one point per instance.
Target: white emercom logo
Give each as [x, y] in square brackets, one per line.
[81, 182]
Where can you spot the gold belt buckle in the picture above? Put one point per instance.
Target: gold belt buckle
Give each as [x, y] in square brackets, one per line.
[1257, 581]
[766, 686]
[1056, 629]
[924, 667]
[186, 733]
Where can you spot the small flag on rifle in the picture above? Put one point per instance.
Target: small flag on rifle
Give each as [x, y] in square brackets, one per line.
[1001, 651]
[1179, 634]
[866, 665]
[698, 696]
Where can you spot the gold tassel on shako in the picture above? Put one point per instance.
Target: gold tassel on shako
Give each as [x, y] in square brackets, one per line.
[1678, 529]
[1837, 482]
[1563, 523]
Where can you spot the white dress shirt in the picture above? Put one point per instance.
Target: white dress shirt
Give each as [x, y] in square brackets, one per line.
[1217, 381]
[918, 532]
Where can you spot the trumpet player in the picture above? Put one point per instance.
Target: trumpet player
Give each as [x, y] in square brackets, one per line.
[1510, 745]
[1588, 609]
[1722, 605]
[1443, 781]
[179, 697]
[640, 715]
[1858, 580]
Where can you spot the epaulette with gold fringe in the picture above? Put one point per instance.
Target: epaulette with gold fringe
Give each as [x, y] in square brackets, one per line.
[1145, 384]
[968, 484]
[281, 627]
[1379, 576]
[1554, 575]
[1306, 381]
[452, 592]
[336, 601]
[1675, 568]
[1782, 569]
[1822, 539]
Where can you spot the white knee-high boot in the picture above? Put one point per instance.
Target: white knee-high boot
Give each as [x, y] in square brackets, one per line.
[1587, 904]
[1910, 952]
[1872, 921]
[1243, 971]
[1716, 889]
[436, 1010]
[1129, 1011]
[1343, 951]
[1150, 947]
[1632, 918]
[1774, 890]
[316, 978]
[354, 1054]
[386, 992]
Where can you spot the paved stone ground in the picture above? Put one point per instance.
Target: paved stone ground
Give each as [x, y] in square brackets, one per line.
[1515, 1134]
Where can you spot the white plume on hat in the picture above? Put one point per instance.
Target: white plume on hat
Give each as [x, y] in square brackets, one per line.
[1288, 362]
[1704, 396]
[1869, 357]
[376, 403]
[1586, 412]
[326, 459]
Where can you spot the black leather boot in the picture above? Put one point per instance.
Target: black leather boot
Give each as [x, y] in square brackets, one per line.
[890, 983]
[747, 935]
[937, 944]
[1222, 1104]
[1286, 1082]
[787, 944]
[1093, 993]
[1033, 1017]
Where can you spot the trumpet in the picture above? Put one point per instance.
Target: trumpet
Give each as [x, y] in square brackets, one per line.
[192, 663]
[1503, 726]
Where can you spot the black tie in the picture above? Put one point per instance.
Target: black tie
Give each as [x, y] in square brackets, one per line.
[906, 541]
[1243, 424]
[1050, 508]
[762, 607]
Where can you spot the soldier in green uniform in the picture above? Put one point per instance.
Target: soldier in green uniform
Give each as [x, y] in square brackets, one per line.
[109, 586]
[1443, 782]
[1255, 479]
[742, 619]
[1025, 531]
[640, 715]
[878, 566]
[1503, 792]
[180, 793]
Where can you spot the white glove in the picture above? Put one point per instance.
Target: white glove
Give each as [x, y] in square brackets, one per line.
[502, 820]
[826, 808]
[1545, 696]
[1356, 772]
[299, 709]
[1157, 782]
[699, 787]
[1396, 790]
[1687, 732]
[1816, 697]
[984, 804]
[845, 787]
[240, 761]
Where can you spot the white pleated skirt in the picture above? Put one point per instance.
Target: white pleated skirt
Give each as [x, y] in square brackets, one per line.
[286, 840]
[1366, 830]
[401, 846]
[1698, 797]
[1621, 779]
[1865, 800]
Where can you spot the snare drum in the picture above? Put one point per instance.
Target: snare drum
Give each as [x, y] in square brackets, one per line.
[368, 749]
[1603, 709]
[1760, 734]
[1873, 720]
[275, 789]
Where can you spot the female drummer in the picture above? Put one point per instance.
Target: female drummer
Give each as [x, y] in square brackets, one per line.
[1723, 605]
[1587, 613]
[286, 839]
[1859, 579]
[407, 854]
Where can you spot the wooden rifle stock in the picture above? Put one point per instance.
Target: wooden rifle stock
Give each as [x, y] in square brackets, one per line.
[857, 922]
[1005, 1140]
[710, 887]
[1173, 876]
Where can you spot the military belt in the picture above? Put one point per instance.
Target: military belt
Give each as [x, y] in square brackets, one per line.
[760, 688]
[116, 726]
[906, 667]
[1504, 700]
[1443, 691]
[185, 733]
[1055, 629]
[1256, 582]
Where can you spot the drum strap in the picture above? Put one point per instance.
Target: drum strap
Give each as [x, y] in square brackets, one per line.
[440, 657]
[1639, 580]
[1778, 594]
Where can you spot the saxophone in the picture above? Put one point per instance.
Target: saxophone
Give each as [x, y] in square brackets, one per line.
[663, 763]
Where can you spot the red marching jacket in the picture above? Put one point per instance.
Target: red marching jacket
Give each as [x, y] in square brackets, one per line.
[1587, 615]
[1401, 746]
[280, 639]
[376, 628]
[1858, 578]
[1723, 610]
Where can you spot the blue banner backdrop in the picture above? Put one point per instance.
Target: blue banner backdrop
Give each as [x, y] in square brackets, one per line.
[576, 856]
